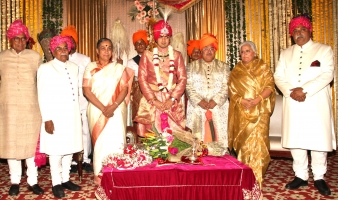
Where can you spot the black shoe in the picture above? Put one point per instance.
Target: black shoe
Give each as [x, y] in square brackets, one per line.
[58, 191]
[71, 186]
[322, 187]
[87, 167]
[296, 183]
[14, 190]
[73, 169]
[36, 189]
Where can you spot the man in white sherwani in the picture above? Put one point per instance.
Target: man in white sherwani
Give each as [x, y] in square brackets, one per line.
[303, 75]
[207, 91]
[61, 133]
[82, 61]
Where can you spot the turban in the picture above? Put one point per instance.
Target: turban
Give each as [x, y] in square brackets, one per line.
[70, 31]
[17, 28]
[192, 44]
[57, 40]
[162, 28]
[300, 20]
[208, 39]
[140, 34]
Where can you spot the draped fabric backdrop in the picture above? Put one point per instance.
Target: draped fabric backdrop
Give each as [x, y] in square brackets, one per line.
[10, 11]
[90, 19]
[120, 9]
[208, 16]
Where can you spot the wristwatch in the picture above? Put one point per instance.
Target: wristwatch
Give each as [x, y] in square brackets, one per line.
[172, 99]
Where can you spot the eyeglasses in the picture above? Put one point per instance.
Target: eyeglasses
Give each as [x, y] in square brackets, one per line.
[208, 49]
[20, 39]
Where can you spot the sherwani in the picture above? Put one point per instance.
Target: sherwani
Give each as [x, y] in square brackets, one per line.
[82, 61]
[208, 82]
[307, 125]
[147, 113]
[59, 102]
[20, 117]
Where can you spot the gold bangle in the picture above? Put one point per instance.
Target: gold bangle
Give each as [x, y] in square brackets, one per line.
[261, 97]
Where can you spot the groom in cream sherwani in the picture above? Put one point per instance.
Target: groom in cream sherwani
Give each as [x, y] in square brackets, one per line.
[303, 75]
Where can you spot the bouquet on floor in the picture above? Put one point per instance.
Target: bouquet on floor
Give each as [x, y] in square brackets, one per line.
[171, 145]
[131, 158]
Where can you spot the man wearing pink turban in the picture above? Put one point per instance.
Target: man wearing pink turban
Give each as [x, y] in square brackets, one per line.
[61, 130]
[207, 92]
[162, 78]
[303, 75]
[20, 117]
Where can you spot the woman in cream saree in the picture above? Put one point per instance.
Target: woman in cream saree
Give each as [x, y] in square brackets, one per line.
[106, 85]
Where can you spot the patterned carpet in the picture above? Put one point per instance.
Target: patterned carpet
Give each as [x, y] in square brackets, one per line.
[279, 173]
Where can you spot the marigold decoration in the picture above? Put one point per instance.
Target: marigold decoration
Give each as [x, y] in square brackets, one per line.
[156, 62]
[131, 158]
[143, 11]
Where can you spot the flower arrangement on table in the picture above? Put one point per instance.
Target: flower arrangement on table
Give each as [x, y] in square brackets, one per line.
[171, 145]
[143, 11]
[131, 158]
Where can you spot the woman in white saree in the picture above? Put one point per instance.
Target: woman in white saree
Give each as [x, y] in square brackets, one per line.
[106, 85]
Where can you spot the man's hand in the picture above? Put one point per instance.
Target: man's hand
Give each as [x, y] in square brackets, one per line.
[167, 104]
[297, 94]
[158, 105]
[49, 127]
[204, 105]
[212, 104]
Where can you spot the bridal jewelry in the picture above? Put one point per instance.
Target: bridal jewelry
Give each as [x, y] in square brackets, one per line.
[156, 62]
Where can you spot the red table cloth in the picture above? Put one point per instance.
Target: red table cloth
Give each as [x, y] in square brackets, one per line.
[218, 178]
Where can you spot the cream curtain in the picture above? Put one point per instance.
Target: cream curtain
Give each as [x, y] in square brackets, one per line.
[90, 19]
[119, 9]
[208, 16]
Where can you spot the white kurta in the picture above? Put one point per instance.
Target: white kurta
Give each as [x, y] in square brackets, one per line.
[308, 124]
[133, 65]
[208, 82]
[58, 101]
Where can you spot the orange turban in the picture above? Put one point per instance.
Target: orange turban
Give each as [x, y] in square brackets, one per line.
[192, 44]
[140, 34]
[208, 39]
[70, 31]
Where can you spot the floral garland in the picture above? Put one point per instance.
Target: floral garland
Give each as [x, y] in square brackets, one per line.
[143, 11]
[130, 159]
[156, 62]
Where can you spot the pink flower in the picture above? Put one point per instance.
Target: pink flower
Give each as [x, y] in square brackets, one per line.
[156, 12]
[137, 3]
[170, 138]
[150, 12]
[173, 150]
[140, 8]
[146, 19]
[138, 16]
[143, 13]
[150, 3]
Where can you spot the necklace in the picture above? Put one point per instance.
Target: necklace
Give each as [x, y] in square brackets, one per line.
[156, 62]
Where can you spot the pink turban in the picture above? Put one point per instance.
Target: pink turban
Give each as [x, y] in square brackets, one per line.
[162, 28]
[300, 20]
[208, 39]
[57, 40]
[192, 44]
[17, 28]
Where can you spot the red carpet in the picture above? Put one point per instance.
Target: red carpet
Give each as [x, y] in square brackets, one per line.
[279, 173]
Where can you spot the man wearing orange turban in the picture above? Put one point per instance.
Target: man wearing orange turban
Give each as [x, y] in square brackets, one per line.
[207, 93]
[140, 41]
[82, 61]
[193, 49]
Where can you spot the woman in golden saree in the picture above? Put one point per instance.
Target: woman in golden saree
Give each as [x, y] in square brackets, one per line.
[106, 85]
[252, 99]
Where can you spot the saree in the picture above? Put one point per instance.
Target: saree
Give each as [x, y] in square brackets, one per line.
[108, 134]
[248, 130]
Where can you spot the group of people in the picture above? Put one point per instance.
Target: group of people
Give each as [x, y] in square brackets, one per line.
[238, 103]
